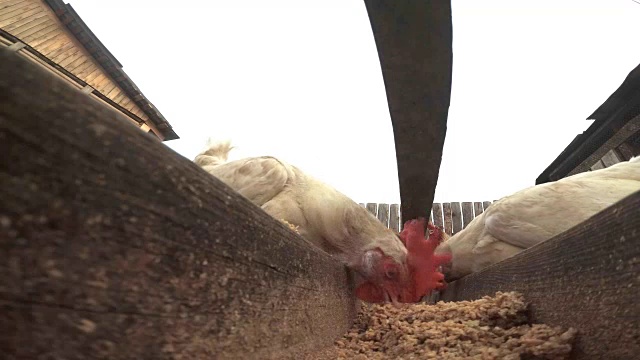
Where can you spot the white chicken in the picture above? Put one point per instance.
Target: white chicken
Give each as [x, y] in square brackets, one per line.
[536, 214]
[322, 215]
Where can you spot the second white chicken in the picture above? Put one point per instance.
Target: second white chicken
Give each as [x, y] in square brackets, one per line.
[530, 216]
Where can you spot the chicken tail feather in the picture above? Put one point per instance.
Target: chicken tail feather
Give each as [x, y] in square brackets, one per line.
[217, 153]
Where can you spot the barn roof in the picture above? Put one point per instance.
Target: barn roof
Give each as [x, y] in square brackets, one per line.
[614, 121]
[87, 38]
[54, 34]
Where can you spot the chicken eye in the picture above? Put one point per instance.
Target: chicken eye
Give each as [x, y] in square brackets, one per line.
[391, 274]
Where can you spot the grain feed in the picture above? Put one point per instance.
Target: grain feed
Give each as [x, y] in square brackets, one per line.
[489, 328]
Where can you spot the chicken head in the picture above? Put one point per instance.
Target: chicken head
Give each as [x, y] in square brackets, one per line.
[386, 278]
[408, 282]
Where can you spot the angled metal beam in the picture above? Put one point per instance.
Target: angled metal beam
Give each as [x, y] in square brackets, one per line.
[413, 39]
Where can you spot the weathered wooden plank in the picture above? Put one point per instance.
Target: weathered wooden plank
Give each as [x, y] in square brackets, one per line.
[118, 98]
[32, 26]
[394, 217]
[610, 158]
[437, 215]
[17, 12]
[20, 18]
[477, 209]
[45, 39]
[5, 5]
[29, 16]
[90, 67]
[586, 278]
[72, 58]
[113, 93]
[60, 57]
[137, 111]
[597, 166]
[595, 147]
[50, 47]
[78, 64]
[127, 103]
[413, 39]
[486, 204]
[467, 213]
[383, 214]
[456, 217]
[115, 247]
[448, 222]
[104, 83]
[107, 86]
[624, 151]
[67, 48]
[372, 208]
[95, 77]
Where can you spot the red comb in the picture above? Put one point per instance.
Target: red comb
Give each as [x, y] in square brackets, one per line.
[423, 264]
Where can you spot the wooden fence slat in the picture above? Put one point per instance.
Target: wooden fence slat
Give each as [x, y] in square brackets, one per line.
[477, 209]
[586, 278]
[456, 217]
[467, 213]
[394, 217]
[446, 213]
[437, 215]
[599, 165]
[116, 247]
[383, 214]
[486, 204]
[610, 158]
[373, 208]
[390, 214]
[624, 151]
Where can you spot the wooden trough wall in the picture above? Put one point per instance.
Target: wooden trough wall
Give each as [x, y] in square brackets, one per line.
[115, 247]
[452, 217]
[587, 278]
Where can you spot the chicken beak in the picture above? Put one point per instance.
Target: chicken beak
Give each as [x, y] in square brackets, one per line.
[393, 298]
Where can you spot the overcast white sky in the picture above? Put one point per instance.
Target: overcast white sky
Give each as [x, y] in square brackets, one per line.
[301, 80]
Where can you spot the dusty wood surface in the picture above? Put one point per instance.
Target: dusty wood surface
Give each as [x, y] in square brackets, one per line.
[477, 209]
[486, 204]
[610, 158]
[437, 215]
[467, 213]
[372, 208]
[456, 217]
[383, 214]
[413, 39]
[394, 217]
[597, 166]
[448, 222]
[587, 277]
[631, 147]
[115, 247]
